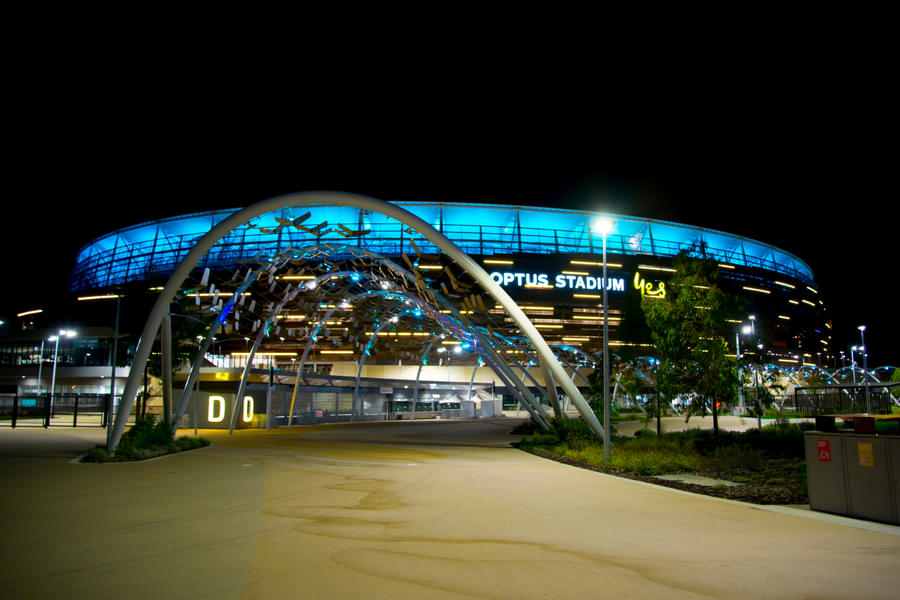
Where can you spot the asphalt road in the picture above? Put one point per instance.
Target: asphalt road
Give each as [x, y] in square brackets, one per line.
[424, 509]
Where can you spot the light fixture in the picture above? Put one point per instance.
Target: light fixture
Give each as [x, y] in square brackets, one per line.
[603, 225]
[862, 334]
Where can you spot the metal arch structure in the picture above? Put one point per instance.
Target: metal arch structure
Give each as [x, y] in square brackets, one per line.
[453, 251]
[422, 306]
[282, 257]
[634, 367]
[450, 324]
[888, 371]
[798, 376]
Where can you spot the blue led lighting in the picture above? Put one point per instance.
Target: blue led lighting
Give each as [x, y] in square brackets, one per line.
[154, 249]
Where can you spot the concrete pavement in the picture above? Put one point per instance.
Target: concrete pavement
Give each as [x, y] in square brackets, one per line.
[402, 510]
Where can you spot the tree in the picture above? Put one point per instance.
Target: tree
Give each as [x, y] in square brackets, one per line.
[688, 326]
[632, 330]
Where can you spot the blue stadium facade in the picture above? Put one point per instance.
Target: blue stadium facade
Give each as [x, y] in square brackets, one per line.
[548, 259]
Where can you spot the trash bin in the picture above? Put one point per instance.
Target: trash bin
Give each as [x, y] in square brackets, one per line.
[869, 478]
[825, 473]
[893, 452]
[854, 474]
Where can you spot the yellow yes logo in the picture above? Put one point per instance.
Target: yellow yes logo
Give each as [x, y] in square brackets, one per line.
[647, 288]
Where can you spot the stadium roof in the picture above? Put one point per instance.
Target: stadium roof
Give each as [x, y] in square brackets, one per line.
[156, 247]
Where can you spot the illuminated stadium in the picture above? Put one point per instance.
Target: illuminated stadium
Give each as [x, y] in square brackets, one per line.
[547, 259]
[346, 311]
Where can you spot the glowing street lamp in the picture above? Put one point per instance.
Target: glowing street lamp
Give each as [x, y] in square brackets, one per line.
[745, 330]
[603, 226]
[862, 335]
[62, 333]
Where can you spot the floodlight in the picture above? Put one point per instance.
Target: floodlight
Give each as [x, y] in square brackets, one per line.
[603, 225]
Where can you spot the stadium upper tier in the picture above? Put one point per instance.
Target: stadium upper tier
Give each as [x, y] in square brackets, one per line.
[152, 250]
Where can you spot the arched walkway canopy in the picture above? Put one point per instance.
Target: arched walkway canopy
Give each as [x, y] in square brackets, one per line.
[160, 309]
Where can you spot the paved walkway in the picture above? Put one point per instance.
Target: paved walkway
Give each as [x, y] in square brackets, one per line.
[400, 510]
[669, 424]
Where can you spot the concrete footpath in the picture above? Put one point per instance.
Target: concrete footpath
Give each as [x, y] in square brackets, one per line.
[424, 509]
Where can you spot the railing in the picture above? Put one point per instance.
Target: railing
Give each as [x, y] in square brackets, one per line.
[135, 260]
[65, 410]
[838, 401]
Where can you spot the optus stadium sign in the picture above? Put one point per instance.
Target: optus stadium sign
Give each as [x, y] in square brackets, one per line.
[557, 281]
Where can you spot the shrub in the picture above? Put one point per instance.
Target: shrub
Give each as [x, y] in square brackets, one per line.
[785, 441]
[644, 433]
[543, 439]
[148, 432]
[97, 454]
[526, 428]
[575, 433]
[146, 439]
[725, 458]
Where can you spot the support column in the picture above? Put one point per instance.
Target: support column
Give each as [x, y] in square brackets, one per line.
[525, 374]
[415, 397]
[194, 374]
[166, 347]
[501, 368]
[240, 393]
[513, 385]
[472, 379]
[550, 385]
[362, 362]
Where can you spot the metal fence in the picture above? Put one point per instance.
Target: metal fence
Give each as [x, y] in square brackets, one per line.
[62, 410]
[812, 402]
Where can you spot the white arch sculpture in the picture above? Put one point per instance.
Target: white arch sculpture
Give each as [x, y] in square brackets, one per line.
[158, 312]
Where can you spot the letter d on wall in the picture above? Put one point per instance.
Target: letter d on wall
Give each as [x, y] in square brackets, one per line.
[216, 412]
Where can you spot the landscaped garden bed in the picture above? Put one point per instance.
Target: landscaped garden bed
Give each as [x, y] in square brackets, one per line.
[767, 465]
[148, 438]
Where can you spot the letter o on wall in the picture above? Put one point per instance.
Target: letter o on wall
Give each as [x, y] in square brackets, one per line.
[216, 413]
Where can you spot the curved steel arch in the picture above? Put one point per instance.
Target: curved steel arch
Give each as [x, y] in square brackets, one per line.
[202, 246]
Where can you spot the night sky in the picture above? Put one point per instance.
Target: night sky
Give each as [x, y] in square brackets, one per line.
[818, 187]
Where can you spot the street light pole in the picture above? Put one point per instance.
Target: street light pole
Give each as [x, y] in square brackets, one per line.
[758, 381]
[112, 377]
[737, 357]
[40, 369]
[55, 338]
[745, 329]
[756, 377]
[862, 334]
[604, 225]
